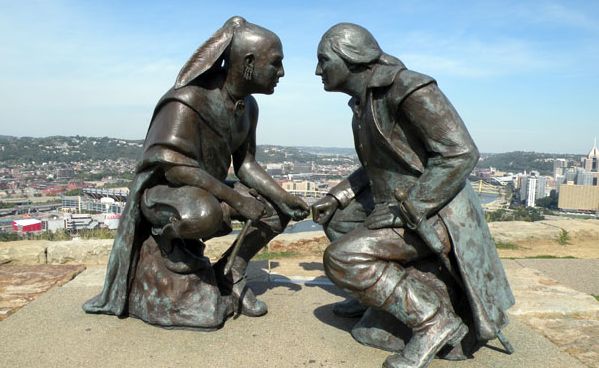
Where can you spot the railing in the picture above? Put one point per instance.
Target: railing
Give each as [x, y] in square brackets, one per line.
[120, 195]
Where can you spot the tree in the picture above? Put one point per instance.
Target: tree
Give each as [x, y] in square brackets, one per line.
[74, 192]
[549, 202]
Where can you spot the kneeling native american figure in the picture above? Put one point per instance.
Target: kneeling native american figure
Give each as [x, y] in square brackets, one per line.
[409, 241]
[179, 198]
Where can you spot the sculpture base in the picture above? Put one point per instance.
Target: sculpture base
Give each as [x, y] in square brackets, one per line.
[162, 297]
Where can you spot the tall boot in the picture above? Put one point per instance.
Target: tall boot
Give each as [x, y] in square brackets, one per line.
[379, 329]
[235, 282]
[417, 304]
[244, 299]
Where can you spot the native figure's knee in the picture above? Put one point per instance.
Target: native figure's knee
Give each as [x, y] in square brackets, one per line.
[200, 215]
[191, 212]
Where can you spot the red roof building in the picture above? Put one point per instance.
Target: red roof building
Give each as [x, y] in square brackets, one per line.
[27, 225]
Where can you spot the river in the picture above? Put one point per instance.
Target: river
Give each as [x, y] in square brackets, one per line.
[487, 198]
[303, 226]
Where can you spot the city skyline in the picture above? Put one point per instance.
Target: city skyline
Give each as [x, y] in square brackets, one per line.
[521, 74]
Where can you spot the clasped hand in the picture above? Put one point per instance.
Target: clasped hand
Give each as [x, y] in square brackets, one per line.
[255, 207]
[294, 207]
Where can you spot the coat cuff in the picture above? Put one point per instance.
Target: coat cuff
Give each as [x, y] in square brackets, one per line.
[348, 189]
[343, 196]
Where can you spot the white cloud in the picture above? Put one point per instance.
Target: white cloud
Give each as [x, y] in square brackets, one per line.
[473, 57]
[561, 14]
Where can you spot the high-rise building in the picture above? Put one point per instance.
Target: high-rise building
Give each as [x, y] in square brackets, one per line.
[531, 193]
[559, 167]
[570, 175]
[541, 187]
[591, 162]
[584, 177]
[532, 188]
[579, 198]
[522, 182]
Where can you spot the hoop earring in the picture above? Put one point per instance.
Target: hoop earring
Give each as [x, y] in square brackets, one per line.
[248, 72]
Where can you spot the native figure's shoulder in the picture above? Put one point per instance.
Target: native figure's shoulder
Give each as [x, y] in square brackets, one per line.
[199, 99]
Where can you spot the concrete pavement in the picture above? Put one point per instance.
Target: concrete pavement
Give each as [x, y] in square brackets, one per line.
[579, 274]
[299, 331]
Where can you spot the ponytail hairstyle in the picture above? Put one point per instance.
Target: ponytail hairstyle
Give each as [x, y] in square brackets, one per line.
[357, 46]
[210, 52]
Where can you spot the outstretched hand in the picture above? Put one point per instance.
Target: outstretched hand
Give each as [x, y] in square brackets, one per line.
[294, 207]
[324, 208]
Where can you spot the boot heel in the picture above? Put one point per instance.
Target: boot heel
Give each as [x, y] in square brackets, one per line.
[458, 335]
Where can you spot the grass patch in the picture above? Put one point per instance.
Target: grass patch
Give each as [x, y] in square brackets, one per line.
[263, 256]
[563, 238]
[541, 256]
[506, 245]
[596, 297]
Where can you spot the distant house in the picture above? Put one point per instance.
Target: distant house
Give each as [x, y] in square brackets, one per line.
[27, 226]
[54, 225]
[83, 221]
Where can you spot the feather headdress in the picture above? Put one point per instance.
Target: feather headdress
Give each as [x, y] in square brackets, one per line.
[209, 52]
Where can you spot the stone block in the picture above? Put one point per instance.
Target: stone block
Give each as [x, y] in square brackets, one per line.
[79, 251]
[20, 284]
[23, 252]
[540, 296]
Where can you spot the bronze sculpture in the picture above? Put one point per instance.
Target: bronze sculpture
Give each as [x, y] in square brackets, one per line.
[179, 197]
[409, 241]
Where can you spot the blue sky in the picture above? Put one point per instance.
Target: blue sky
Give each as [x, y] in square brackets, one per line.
[522, 74]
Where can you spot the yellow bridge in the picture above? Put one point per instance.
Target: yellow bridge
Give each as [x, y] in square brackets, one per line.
[481, 186]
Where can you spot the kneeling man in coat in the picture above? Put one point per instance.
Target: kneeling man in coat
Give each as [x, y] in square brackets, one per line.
[409, 241]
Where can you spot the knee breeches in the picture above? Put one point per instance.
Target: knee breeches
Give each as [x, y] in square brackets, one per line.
[197, 214]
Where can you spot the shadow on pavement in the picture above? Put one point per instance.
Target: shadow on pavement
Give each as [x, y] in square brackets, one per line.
[325, 315]
[261, 282]
[312, 266]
